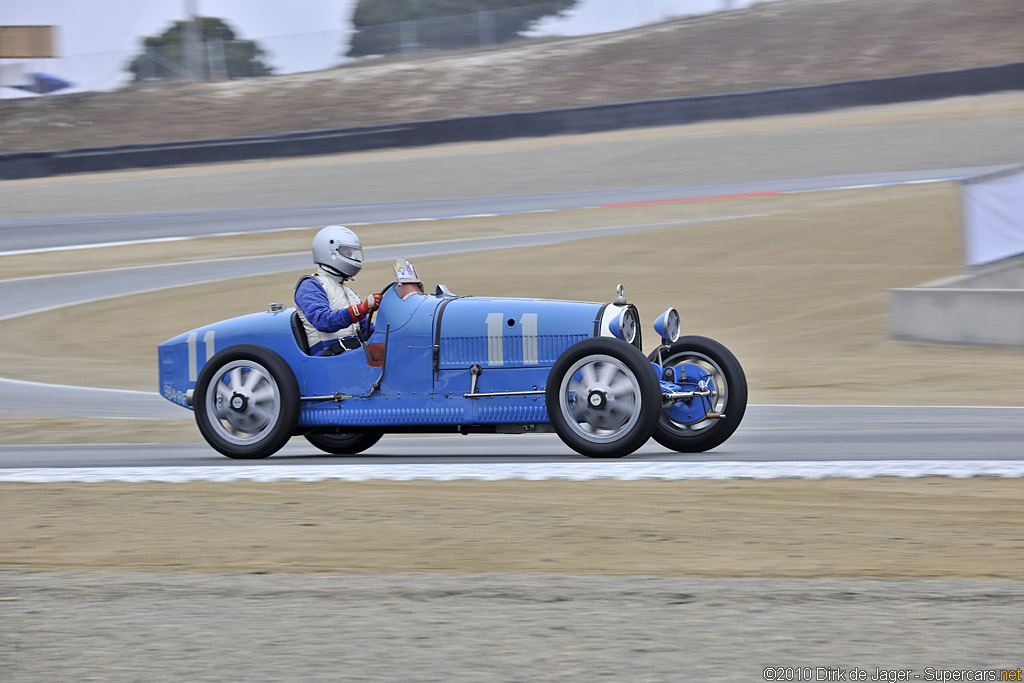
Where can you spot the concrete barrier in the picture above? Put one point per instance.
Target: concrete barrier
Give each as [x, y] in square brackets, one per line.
[591, 119]
[985, 307]
[986, 304]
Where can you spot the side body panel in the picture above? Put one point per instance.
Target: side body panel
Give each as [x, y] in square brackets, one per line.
[431, 349]
[181, 358]
[432, 342]
[513, 341]
[407, 326]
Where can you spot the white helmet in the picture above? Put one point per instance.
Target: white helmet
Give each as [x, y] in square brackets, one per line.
[337, 250]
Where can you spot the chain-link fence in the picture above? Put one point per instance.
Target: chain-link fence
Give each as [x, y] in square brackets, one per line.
[492, 27]
[211, 60]
[475, 30]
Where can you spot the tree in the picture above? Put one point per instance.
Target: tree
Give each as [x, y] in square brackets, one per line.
[220, 50]
[389, 26]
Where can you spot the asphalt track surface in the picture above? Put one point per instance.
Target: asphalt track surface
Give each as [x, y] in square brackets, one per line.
[767, 434]
[56, 232]
[712, 159]
[22, 296]
[103, 209]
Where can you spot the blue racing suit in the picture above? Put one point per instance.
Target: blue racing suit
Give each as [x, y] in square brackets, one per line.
[312, 300]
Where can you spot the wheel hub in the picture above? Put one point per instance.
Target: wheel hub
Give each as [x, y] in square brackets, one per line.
[243, 402]
[600, 395]
[698, 372]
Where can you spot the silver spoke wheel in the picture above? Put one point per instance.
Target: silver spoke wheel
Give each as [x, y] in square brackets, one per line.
[243, 402]
[603, 398]
[600, 398]
[717, 400]
[684, 427]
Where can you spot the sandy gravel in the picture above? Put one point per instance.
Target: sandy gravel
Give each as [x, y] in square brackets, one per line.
[508, 581]
[877, 528]
[495, 627]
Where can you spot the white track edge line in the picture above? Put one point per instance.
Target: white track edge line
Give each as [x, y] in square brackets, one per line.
[621, 471]
[570, 234]
[152, 240]
[374, 259]
[157, 240]
[22, 382]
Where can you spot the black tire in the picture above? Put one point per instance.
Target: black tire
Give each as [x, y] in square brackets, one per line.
[343, 444]
[262, 402]
[622, 405]
[707, 434]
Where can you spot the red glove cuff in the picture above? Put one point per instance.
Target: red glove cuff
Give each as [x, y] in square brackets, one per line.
[358, 312]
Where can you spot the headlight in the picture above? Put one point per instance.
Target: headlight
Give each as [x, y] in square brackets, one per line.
[667, 326]
[625, 325]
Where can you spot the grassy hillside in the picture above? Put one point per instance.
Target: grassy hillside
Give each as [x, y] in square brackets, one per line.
[792, 42]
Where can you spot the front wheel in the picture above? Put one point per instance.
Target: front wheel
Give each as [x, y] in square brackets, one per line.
[686, 428]
[603, 398]
[247, 402]
[343, 444]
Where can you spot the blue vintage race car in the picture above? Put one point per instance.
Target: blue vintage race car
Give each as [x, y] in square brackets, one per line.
[446, 363]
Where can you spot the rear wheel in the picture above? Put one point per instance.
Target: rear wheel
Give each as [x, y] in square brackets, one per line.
[686, 429]
[603, 398]
[343, 444]
[247, 402]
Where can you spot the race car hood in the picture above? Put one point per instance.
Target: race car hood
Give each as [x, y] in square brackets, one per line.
[500, 332]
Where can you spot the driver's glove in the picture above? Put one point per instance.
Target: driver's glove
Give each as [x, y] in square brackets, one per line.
[362, 309]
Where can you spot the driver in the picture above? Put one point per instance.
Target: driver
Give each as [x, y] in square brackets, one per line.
[332, 312]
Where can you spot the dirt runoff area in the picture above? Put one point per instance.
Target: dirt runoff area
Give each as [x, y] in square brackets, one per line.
[878, 528]
[508, 581]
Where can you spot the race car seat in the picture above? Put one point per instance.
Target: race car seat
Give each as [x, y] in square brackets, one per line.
[374, 352]
[300, 333]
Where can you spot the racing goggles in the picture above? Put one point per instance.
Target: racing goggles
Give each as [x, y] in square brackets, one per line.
[350, 252]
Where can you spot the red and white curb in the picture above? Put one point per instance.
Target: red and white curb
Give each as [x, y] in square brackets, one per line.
[622, 471]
